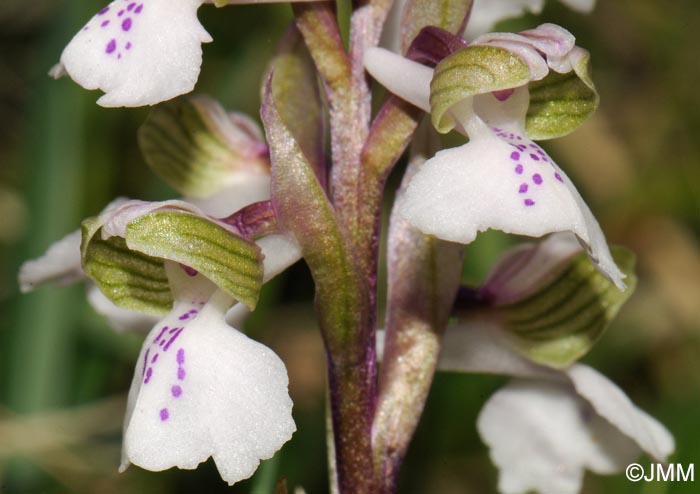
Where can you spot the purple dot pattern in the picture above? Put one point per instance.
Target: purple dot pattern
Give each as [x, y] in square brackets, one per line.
[530, 160]
[159, 351]
[116, 33]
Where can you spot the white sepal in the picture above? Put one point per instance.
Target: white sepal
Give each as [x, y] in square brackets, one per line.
[405, 78]
[60, 264]
[202, 389]
[139, 52]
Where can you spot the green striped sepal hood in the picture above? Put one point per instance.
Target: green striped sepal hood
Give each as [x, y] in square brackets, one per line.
[123, 251]
[551, 302]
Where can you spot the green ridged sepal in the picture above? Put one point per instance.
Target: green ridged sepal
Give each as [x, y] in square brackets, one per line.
[560, 103]
[130, 271]
[567, 313]
[471, 71]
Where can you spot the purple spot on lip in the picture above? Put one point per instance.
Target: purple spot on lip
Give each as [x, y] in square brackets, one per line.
[176, 391]
[160, 335]
[131, 6]
[149, 373]
[181, 356]
[558, 177]
[121, 12]
[155, 357]
[164, 414]
[138, 9]
[103, 11]
[126, 25]
[523, 188]
[111, 46]
[181, 374]
[145, 361]
[519, 169]
[515, 155]
[105, 23]
[537, 178]
[534, 157]
[128, 45]
[529, 202]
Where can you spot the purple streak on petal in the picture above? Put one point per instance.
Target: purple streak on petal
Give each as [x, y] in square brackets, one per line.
[537, 178]
[171, 340]
[558, 177]
[145, 361]
[534, 157]
[164, 414]
[155, 357]
[160, 335]
[149, 373]
[176, 391]
[103, 11]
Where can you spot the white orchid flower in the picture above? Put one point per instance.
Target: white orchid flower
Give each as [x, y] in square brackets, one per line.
[139, 52]
[546, 427]
[500, 179]
[201, 388]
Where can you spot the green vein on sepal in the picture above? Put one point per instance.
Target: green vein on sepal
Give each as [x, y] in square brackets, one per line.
[128, 278]
[560, 103]
[232, 262]
[564, 317]
[471, 71]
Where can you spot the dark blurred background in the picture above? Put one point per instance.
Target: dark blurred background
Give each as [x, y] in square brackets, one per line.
[64, 373]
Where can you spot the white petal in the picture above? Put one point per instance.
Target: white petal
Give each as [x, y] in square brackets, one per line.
[486, 13]
[201, 389]
[119, 318]
[244, 189]
[501, 180]
[542, 437]
[139, 52]
[60, 264]
[479, 346]
[612, 404]
[403, 77]
[280, 251]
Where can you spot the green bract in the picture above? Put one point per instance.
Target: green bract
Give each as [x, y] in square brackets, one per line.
[471, 71]
[567, 313]
[196, 147]
[559, 103]
[130, 271]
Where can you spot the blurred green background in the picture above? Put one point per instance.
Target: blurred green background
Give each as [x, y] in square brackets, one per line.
[64, 374]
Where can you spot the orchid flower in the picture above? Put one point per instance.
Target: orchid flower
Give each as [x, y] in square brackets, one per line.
[235, 177]
[548, 425]
[500, 179]
[202, 389]
[486, 13]
[139, 52]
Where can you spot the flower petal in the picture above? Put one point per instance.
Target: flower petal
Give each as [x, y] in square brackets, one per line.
[203, 389]
[60, 264]
[612, 404]
[403, 77]
[119, 318]
[501, 180]
[139, 52]
[542, 436]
